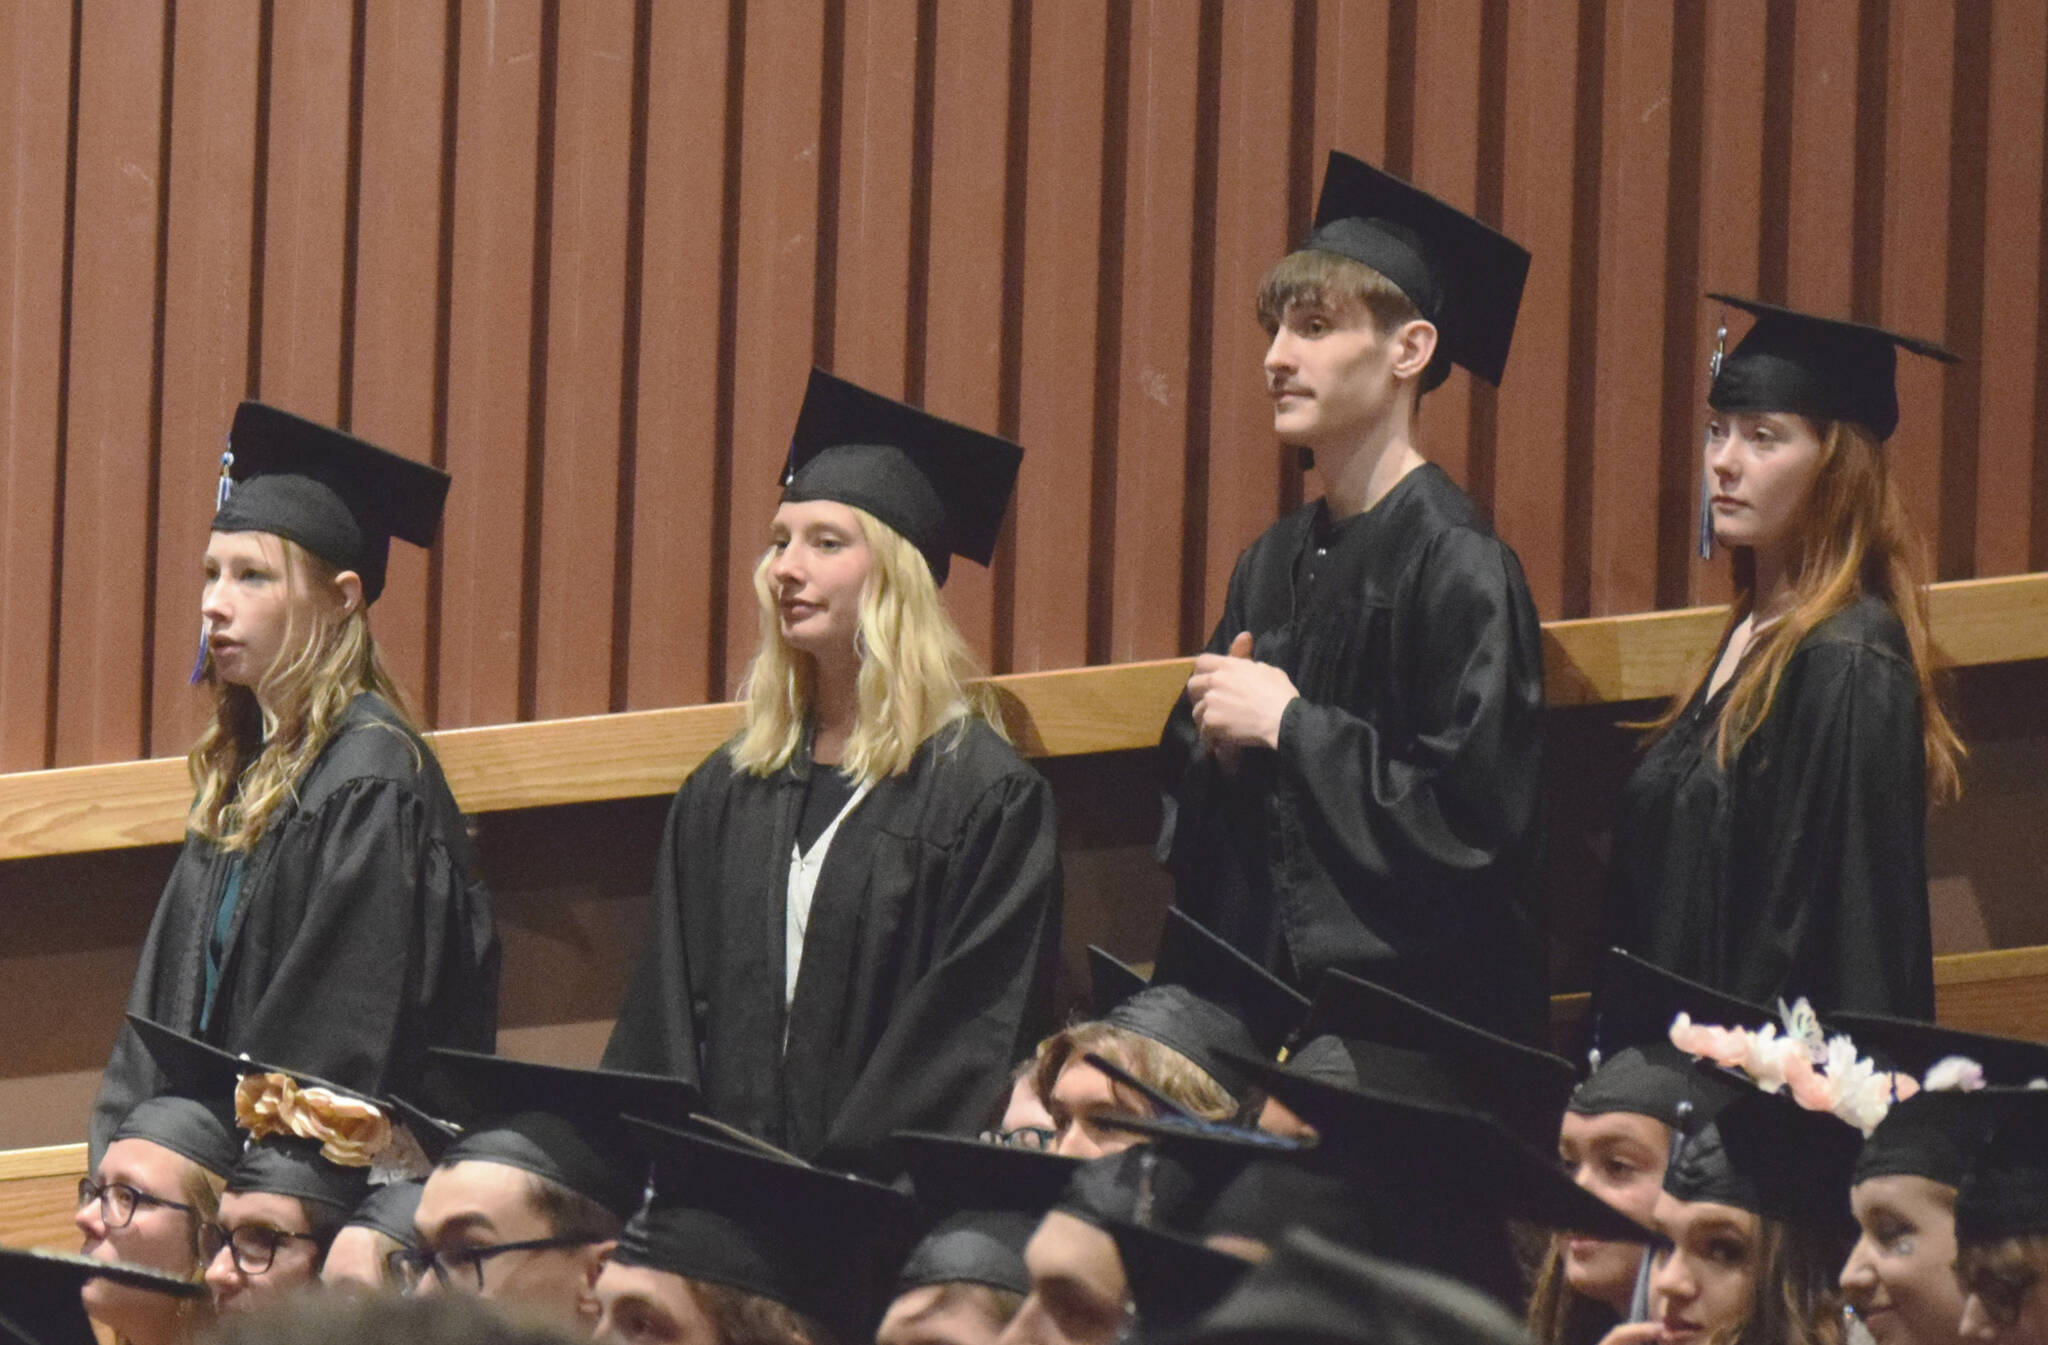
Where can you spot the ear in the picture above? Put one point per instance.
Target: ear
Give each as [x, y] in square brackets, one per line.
[590, 1264]
[349, 585]
[1414, 345]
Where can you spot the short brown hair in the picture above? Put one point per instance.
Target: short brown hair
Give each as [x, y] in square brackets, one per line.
[1159, 1065]
[571, 1214]
[741, 1318]
[1332, 281]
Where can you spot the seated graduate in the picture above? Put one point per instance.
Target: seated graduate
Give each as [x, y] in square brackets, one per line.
[741, 1246]
[359, 1258]
[856, 902]
[43, 1294]
[326, 908]
[1351, 778]
[1023, 1121]
[1318, 1292]
[1176, 1034]
[155, 1188]
[1618, 1135]
[1900, 1279]
[2002, 1222]
[523, 1208]
[978, 1205]
[283, 1205]
[1771, 842]
[1755, 1217]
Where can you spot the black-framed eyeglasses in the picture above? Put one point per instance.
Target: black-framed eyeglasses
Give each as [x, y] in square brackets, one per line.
[2002, 1292]
[462, 1268]
[119, 1201]
[1023, 1137]
[253, 1246]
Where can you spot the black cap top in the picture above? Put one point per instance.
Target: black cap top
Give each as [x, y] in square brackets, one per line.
[1767, 1154]
[1639, 1071]
[1313, 1290]
[1206, 1000]
[1916, 1048]
[1401, 1046]
[284, 1166]
[39, 1303]
[201, 1130]
[1173, 1279]
[337, 496]
[2006, 1192]
[389, 1210]
[943, 486]
[1819, 367]
[1461, 1163]
[559, 1123]
[1932, 1134]
[979, 1204]
[1464, 276]
[820, 1242]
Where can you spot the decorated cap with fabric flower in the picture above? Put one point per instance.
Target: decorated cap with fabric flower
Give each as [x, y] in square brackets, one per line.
[1932, 1130]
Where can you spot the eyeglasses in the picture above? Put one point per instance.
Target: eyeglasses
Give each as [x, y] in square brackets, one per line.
[2002, 1292]
[119, 1201]
[1023, 1137]
[463, 1268]
[253, 1246]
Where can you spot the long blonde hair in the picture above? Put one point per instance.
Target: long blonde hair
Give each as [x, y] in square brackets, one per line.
[247, 764]
[916, 673]
[1854, 538]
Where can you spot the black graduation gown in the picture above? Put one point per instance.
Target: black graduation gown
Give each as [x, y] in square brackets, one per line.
[1802, 869]
[1393, 832]
[927, 966]
[362, 936]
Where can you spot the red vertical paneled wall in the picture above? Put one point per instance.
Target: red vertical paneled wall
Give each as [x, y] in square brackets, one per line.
[582, 254]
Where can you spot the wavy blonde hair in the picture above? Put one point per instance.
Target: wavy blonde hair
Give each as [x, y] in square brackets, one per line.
[916, 673]
[1853, 538]
[248, 762]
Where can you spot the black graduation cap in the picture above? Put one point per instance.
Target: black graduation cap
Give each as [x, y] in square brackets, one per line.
[978, 1204]
[1172, 1279]
[339, 497]
[1459, 1165]
[1813, 366]
[194, 1116]
[1765, 1153]
[1914, 1048]
[943, 486]
[1932, 1134]
[1205, 1000]
[1401, 1046]
[823, 1243]
[39, 1294]
[557, 1122]
[1313, 1290]
[2005, 1194]
[1636, 1069]
[389, 1209]
[1462, 275]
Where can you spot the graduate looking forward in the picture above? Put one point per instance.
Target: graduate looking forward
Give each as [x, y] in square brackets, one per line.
[856, 902]
[1352, 775]
[326, 908]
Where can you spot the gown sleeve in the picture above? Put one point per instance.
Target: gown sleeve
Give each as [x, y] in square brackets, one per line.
[947, 1051]
[1828, 843]
[1186, 770]
[656, 1031]
[392, 949]
[1462, 789]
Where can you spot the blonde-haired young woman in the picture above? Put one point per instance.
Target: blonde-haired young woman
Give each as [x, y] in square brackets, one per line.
[856, 902]
[326, 907]
[1771, 842]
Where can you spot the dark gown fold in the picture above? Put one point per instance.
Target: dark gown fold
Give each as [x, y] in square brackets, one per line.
[927, 965]
[363, 933]
[1802, 869]
[1394, 831]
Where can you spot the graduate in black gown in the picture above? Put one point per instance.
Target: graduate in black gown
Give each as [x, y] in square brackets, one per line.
[1351, 778]
[1771, 842]
[856, 901]
[326, 908]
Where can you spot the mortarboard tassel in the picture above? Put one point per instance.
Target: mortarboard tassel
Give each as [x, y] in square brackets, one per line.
[1706, 518]
[222, 489]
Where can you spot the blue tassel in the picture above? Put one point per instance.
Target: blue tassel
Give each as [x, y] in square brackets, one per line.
[221, 490]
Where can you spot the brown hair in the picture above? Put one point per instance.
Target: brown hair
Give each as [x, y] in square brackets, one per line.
[1166, 1069]
[1797, 1299]
[1326, 279]
[244, 769]
[1854, 538]
[741, 1318]
[571, 1214]
[1559, 1314]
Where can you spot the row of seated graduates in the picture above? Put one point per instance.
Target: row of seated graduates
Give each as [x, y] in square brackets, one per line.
[1211, 1156]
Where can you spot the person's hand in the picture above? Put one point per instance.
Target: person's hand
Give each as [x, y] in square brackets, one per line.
[1237, 702]
[1633, 1333]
